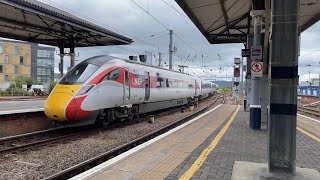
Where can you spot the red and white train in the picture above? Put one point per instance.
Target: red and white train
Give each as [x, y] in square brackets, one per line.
[104, 88]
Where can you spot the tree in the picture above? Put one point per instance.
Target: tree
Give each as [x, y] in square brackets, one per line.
[52, 85]
[20, 80]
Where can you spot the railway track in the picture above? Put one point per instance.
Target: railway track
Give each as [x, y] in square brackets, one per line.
[19, 143]
[74, 170]
[20, 114]
[29, 141]
[310, 111]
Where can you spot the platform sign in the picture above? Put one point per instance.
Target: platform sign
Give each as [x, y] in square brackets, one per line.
[256, 52]
[245, 52]
[256, 69]
[237, 60]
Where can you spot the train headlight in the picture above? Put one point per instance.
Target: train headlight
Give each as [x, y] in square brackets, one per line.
[84, 90]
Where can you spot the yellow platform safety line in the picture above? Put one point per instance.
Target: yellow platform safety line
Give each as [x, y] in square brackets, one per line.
[308, 134]
[197, 164]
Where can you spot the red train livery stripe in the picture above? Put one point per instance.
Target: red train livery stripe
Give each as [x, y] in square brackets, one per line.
[74, 111]
[137, 81]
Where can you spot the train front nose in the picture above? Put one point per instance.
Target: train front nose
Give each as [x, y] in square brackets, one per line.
[61, 107]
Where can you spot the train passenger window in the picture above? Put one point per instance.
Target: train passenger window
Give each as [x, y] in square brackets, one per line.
[159, 80]
[113, 75]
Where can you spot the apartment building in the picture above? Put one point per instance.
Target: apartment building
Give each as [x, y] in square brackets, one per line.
[42, 65]
[26, 59]
[15, 59]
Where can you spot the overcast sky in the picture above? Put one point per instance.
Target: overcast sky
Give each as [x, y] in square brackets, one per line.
[126, 18]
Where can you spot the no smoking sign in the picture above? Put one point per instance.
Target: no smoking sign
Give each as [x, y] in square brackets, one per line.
[256, 69]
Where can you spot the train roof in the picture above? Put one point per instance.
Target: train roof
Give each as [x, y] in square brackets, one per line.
[103, 59]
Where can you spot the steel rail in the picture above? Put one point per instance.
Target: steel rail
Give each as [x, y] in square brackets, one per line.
[27, 146]
[310, 111]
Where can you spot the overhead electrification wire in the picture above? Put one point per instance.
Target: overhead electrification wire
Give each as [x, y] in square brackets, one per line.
[184, 42]
[155, 34]
[85, 17]
[175, 9]
[187, 19]
[150, 14]
[164, 25]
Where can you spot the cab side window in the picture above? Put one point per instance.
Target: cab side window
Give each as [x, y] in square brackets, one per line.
[113, 75]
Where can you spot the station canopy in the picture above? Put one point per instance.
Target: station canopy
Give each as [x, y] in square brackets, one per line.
[34, 21]
[229, 21]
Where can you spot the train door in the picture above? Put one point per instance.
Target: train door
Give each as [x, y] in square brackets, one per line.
[126, 86]
[147, 86]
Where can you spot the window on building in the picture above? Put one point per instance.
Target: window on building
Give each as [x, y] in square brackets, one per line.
[6, 59]
[15, 50]
[44, 62]
[15, 69]
[41, 71]
[44, 71]
[48, 72]
[21, 59]
[6, 77]
[45, 53]
[1, 48]
[1, 69]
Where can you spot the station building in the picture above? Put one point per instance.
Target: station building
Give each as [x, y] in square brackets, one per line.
[15, 59]
[26, 59]
[42, 66]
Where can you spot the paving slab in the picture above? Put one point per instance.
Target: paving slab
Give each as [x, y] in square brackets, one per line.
[240, 143]
[159, 159]
[243, 170]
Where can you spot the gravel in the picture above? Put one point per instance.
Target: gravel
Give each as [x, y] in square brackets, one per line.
[48, 160]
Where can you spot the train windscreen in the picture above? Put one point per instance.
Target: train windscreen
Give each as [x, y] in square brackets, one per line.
[79, 74]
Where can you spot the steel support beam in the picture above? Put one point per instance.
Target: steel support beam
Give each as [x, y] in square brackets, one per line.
[225, 16]
[72, 54]
[283, 76]
[264, 88]
[61, 54]
[227, 38]
[248, 72]
[170, 50]
[231, 22]
[255, 106]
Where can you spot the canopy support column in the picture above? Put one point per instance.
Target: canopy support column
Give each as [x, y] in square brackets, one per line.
[283, 86]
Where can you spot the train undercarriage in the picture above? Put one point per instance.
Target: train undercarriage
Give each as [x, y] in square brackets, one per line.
[129, 112]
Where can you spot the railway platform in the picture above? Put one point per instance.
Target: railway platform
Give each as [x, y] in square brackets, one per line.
[207, 147]
[17, 106]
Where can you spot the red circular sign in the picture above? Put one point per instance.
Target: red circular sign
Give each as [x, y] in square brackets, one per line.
[256, 67]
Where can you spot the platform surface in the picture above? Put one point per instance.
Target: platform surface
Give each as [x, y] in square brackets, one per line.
[10, 107]
[243, 170]
[206, 149]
